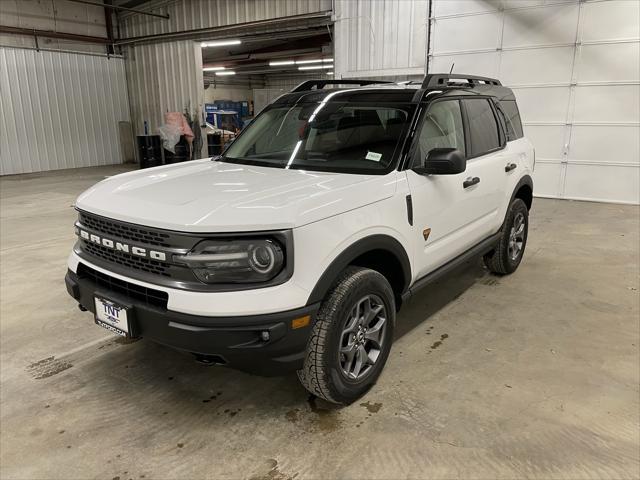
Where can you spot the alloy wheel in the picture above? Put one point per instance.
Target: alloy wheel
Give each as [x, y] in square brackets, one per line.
[362, 338]
[516, 237]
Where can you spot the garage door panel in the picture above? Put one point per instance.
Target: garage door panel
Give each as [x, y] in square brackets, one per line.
[546, 178]
[485, 64]
[615, 62]
[478, 32]
[548, 140]
[575, 70]
[610, 20]
[605, 144]
[458, 7]
[602, 183]
[540, 26]
[544, 104]
[537, 66]
[610, 103]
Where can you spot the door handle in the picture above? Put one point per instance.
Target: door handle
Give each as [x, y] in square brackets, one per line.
[509, 167]
[469, 182]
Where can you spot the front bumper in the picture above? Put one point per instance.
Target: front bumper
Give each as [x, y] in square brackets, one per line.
[233, 341]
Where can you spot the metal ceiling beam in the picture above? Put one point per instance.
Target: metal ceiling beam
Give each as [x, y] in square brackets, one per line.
[122, 9]
[51, 34]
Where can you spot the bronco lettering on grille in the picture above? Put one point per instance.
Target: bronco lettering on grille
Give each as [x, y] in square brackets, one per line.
[121, 247]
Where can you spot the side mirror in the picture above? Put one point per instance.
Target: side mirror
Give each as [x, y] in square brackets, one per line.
[443, 161]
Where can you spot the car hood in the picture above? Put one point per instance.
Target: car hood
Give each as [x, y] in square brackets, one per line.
[209, 196]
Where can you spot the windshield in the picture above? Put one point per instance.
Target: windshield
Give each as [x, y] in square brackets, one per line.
[328, 136]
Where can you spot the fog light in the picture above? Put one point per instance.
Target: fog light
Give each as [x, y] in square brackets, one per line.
[264, 335]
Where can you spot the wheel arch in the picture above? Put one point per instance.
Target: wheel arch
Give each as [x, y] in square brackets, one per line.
[524, 191]
[382, 253]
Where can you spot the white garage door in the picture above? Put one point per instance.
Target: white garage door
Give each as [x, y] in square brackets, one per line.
[575, 69]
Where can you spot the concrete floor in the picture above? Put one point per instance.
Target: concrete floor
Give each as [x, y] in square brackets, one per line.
[534, 375]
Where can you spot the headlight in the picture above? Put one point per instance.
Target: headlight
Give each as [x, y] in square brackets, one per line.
[234, 261]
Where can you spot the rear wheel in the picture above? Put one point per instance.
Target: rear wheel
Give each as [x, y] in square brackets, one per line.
[507, 255]
[351, 337]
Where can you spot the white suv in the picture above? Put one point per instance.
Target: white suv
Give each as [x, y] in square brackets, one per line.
[296, 247]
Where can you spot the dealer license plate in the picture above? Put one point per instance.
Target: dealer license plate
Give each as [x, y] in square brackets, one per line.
[112, 316]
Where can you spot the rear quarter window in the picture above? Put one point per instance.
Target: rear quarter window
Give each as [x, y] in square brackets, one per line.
[514, 124]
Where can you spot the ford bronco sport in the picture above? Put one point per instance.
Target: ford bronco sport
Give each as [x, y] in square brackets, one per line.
[294, 249]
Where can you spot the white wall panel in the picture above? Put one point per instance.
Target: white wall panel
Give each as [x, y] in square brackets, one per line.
[539, 66]
[609, 62]
[611, 20]
[613, 144]
[547, 178]
[602, 183]
[59, 110]
[575, 70]
[549, 140]
[533, 27]
[547, 104]
[460, 34]
[488, 62]
[463, 7]
[381, 38]
[607, 104]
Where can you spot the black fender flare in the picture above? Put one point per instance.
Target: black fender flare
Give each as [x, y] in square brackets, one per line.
[525, 180]
[353, 251]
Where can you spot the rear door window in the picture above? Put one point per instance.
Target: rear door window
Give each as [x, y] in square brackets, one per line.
[483, 126]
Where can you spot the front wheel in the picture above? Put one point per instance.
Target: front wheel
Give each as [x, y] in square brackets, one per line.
[507, 255]
[351, 337]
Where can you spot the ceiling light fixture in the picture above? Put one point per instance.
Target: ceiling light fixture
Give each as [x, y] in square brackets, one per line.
[315, 67]
[329, 73]
[220, 43]
[301, 62]
[212, 69]
[327, 60]
[226, 72]
[282, 62]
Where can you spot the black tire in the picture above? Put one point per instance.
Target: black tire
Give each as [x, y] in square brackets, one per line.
[323, 372]
[501, 260]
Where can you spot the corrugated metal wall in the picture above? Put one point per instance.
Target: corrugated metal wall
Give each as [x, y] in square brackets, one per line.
[381, 38]
[59, 110]
[163, 77]
[55, 16]
[192, 14]
[168, 76]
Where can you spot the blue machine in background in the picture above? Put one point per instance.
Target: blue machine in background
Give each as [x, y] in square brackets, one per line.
[241, 110]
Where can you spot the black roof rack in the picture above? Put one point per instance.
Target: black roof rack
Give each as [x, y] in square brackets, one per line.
[320, 84]
[449, 80]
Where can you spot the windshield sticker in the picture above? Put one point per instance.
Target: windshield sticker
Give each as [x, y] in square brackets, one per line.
[373, 156]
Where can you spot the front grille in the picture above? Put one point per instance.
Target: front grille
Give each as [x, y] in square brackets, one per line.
[126, 259]
[125, 231]
[149, 296]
